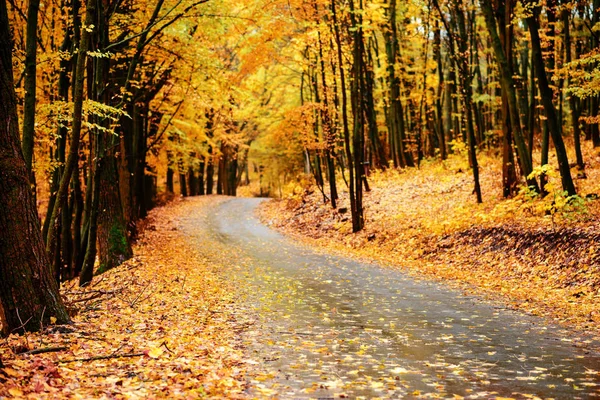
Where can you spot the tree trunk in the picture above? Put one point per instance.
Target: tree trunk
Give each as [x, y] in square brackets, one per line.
[396, 127]
[440, 129]
[201, 190]
[328, 130]
[507, 83]
[357, 96]
[192, 179]
[113, 244]
[29, 294]
[466, 79]
[509, 173]
[183, 184]
[551, 116]
[73, 157]
[210, 171]
[93, 194]
[30, 85]
[574, 103]
[346, 128]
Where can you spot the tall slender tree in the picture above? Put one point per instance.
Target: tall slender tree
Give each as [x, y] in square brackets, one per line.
[547, 96]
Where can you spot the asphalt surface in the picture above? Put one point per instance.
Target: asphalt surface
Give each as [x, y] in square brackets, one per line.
[329, 327]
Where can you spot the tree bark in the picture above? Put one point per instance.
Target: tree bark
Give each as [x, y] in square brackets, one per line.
[73, 157]
[113, 244]
[29, 294]
[551, 115]
[574, 104]
[30, 85]
[507, 83]
[466, 79]
[509, 173]
[396, 126]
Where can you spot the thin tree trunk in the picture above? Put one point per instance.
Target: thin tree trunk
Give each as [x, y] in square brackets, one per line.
[357, 95]
[30, 85]
[507, 82]
[201, 190]
[328, 130]
[509, 173]
[552, 118]
[346, 129]
[466, 79]
[437, 51]
[73, 157]
[573, 101]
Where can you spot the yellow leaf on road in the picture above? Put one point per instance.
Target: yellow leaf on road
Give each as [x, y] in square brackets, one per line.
[155, 352]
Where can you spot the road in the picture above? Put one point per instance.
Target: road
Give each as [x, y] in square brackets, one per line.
[329, 327]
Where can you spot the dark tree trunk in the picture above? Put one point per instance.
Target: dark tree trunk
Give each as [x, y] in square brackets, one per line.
[93, 194]
[210, 166]
[509, 173]
[440, 129]
[507, 83]
[532, 107]
[231, 173]
[113, 243]
[221, 170]
[201, 190]
[30, 85]
[78, 247]
[183, 184]
[357, 92]
[551, 115]
[328, 130]
[347, 147]
[140, 115]
[466, 79]
[61, 131]
[170, 171]
[29, 294]
[73, 158]
[549, 63]
[378, 155]
[192, 180]
[574, 103]
[210, 171]
[396, 125]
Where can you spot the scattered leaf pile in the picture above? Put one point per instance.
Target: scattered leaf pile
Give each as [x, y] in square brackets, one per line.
[427, 221]
[161, 325]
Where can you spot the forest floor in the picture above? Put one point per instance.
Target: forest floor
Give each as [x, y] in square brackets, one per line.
[541, 256]
[161, 325]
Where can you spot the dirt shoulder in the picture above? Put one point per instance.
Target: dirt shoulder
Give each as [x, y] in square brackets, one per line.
[427, 223]
[162, 325]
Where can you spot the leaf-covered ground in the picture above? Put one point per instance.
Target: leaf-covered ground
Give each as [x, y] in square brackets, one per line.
[162, 325]
[427, 221]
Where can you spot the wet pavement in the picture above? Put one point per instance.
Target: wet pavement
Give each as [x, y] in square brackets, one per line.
[331, 327]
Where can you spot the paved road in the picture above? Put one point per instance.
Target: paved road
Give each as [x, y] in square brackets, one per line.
[333, 327]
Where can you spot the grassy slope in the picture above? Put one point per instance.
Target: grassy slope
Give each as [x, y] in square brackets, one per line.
[427, 222]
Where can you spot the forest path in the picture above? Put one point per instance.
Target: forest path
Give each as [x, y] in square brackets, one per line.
[333, 327]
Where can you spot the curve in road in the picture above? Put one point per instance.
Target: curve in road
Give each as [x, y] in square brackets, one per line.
[334, 327]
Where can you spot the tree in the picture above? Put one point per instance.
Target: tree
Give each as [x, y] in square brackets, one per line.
[30, 84]
[395, 117]
[508, 86]
[29, 294]
[547, 96]
[461, 60]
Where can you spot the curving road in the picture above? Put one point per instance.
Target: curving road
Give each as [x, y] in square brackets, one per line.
[333, 327]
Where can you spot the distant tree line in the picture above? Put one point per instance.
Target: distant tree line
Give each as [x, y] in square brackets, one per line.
[397, 82]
